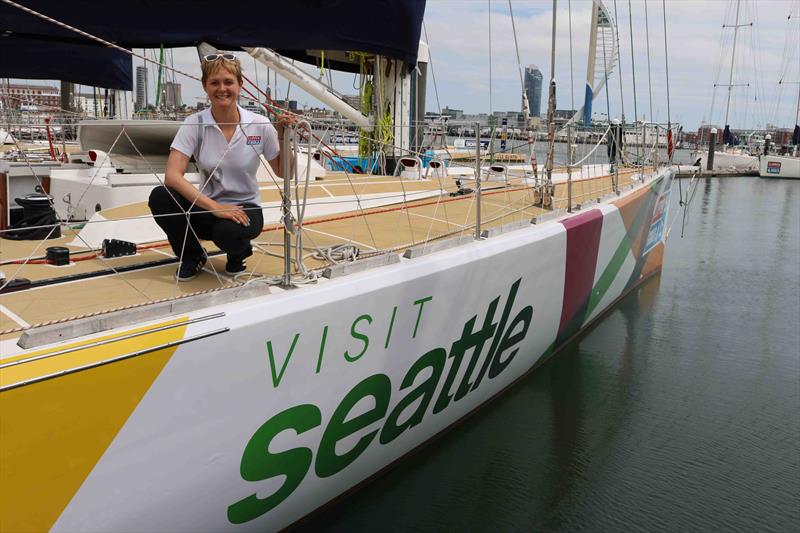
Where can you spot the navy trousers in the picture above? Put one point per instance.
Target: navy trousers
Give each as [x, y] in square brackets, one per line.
[234, 239]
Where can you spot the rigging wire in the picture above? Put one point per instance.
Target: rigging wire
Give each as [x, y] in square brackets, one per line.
[621, 99]
[649, 77]
[633, 64]
[666, 68]
[430, 62]
[516, 46]
[571, 70]
[490, 60]
[605, 86]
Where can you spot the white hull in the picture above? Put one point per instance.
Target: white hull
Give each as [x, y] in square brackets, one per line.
[727, 160]
[774, 166]
[248, 415]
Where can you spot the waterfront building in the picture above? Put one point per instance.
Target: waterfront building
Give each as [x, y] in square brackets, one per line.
[92, 104]
[533, 89]
[171, 95]
[141, 87]
[252, 105]
[31, 97]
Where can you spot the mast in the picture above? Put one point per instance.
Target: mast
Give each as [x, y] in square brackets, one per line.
[733, 57]
[797, 107]
[160, 70]
[551, 103]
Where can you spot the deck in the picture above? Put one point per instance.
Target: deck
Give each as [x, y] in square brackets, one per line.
[390, 215]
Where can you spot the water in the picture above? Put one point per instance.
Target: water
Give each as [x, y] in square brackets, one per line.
[680, 410]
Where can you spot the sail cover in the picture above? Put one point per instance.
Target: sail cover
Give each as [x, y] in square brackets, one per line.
[387, 27]
[39, 59]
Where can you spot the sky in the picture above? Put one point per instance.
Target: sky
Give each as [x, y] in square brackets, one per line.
[458, 33]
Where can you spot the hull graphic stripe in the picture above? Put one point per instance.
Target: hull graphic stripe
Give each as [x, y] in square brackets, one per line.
[55, 431]
[583, 244]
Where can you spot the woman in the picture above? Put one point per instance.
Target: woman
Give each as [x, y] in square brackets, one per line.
[226, 142]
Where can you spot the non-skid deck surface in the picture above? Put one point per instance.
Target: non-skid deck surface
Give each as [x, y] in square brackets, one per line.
[393, 226]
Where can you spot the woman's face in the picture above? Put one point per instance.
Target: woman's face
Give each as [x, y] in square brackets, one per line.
[222, 89]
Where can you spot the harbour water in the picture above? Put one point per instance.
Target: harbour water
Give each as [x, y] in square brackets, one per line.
[678, 410]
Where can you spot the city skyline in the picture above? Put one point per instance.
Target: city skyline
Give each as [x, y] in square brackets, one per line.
[697, 61]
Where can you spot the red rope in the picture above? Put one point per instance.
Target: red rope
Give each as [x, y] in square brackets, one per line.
[274, 113]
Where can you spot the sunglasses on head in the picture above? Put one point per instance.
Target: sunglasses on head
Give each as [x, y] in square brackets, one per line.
[215, 57]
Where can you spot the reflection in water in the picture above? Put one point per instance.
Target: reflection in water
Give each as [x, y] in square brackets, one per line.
[677, 411]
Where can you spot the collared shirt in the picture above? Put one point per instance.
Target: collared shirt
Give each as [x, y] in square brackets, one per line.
[230, 167]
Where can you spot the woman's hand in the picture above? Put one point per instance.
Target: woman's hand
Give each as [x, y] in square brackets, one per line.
[231, 212]
[286, 119]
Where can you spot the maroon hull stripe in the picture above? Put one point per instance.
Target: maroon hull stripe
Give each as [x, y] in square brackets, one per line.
[583, 243]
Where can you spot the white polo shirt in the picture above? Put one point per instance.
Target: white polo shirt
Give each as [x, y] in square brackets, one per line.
[232, 167]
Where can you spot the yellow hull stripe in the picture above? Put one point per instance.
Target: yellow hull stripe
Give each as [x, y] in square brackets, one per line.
[53, 432]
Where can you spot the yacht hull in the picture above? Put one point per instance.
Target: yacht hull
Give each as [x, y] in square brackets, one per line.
[727, 161]
[774, 166]
[260, 412]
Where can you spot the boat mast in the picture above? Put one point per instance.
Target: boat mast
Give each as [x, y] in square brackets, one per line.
[551, 104]
[733, 57]
[797, 107]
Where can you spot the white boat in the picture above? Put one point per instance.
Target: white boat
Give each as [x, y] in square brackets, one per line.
[777, 166]
[730, 159]
[372, 318]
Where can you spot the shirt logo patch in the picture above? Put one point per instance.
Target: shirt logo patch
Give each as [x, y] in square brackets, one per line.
[253, 139]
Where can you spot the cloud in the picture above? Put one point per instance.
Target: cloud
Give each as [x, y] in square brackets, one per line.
[458, 33]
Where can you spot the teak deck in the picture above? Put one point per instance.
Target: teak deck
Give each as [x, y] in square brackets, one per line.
[394, 226]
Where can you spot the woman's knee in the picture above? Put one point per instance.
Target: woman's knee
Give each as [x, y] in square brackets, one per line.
[159, 200]
[229, 236]
[163, 200]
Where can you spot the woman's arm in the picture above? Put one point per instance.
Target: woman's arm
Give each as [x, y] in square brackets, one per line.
[174, 178]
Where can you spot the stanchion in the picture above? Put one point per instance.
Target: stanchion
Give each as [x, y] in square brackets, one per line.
[478, 181]
[286, 160]
[569, 167]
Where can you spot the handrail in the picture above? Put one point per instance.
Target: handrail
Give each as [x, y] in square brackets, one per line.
[112, 360]
[110, 341]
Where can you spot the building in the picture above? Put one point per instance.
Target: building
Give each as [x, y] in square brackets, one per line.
[533, 89]
[171, 95]
[93, 105]
[452, 113]
[141, 87]
[254, 106]
[31, 97]
[291, 107]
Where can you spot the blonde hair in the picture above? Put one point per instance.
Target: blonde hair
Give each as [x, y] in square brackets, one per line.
[212, 67]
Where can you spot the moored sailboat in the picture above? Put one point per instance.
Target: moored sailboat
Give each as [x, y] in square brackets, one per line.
[128, 402]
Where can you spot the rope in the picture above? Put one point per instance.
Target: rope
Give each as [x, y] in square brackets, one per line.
[430, 62]
[516, 46]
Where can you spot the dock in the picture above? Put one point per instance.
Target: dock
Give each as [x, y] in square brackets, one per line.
[689, 171]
